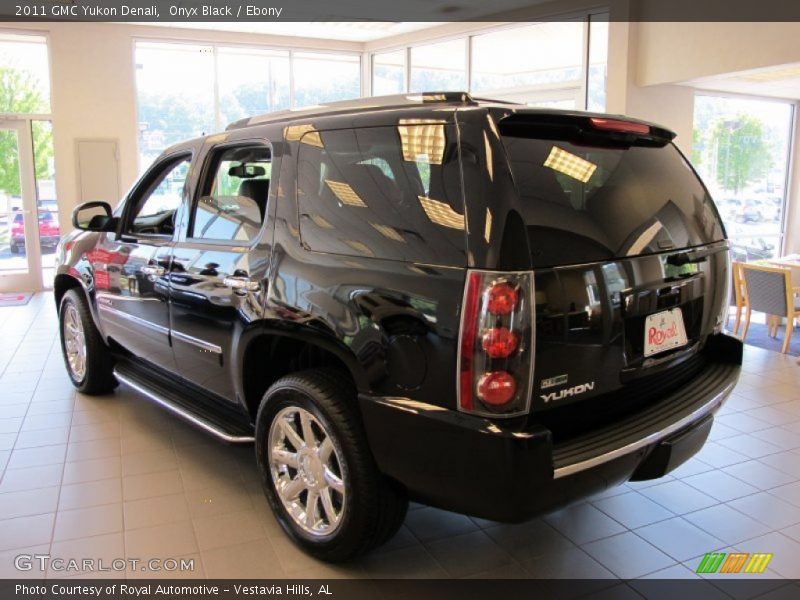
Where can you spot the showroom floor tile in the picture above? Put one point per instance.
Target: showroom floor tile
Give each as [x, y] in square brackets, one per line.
[116, 477]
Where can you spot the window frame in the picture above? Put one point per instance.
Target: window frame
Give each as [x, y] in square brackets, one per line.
[145, 187]
[205, 171]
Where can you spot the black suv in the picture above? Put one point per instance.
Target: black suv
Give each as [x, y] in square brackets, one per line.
[480, 306]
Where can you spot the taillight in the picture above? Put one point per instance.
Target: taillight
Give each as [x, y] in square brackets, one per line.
[501, 298]
[497, 388]
[496, 351]
[619, 125]
[499, 342]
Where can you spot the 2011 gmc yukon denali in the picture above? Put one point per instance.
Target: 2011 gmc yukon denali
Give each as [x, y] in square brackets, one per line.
[480, 306]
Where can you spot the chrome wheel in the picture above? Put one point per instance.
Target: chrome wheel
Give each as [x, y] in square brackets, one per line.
[74, 341]
[307, 471]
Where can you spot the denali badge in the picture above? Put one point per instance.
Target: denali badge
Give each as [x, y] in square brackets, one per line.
[554, 381]
[573, 391]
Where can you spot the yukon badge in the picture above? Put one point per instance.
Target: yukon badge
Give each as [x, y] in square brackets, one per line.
[568, 392]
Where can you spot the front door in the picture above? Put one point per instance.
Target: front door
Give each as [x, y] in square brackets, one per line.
[20, 254]
[131, 267]
[219, 265]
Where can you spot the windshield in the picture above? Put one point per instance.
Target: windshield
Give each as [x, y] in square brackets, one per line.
[584, 203]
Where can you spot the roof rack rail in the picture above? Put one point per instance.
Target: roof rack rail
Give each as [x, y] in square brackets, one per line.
[409, 99]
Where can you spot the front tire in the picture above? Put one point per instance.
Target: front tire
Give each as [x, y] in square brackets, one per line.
[318, 473]
[87, 358]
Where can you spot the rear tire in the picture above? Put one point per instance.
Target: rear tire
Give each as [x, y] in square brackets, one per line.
[88, 360]
[314, 460]
[14, 249]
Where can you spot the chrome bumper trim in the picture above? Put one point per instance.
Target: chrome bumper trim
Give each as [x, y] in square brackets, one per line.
[708, 408]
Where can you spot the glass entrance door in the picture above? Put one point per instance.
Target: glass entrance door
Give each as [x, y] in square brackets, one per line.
[20, 222]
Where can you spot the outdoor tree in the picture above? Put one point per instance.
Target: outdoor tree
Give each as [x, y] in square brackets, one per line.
[742, 155]
[20, 93]
[698, 146]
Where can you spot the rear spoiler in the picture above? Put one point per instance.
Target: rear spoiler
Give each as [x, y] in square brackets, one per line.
[585, 128]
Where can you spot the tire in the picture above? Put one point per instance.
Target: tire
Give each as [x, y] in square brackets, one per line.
[14, 249]
[93, 372]
[371, 508]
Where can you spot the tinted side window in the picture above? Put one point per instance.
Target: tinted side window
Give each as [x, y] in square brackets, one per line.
[385, 192]
[154, 209]
[233, 201]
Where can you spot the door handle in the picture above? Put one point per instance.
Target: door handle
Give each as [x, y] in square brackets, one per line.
[237, 282]
[153, 271]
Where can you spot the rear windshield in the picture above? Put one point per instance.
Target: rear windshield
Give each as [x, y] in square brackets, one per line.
[585, 203]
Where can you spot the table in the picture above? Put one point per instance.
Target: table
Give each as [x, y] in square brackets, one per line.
[791, 261]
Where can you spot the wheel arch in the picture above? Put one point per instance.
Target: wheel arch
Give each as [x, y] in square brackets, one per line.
[270, 352]
[63, 283]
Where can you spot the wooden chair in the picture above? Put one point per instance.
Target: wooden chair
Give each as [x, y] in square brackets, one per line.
[769, 290]
[739, 294]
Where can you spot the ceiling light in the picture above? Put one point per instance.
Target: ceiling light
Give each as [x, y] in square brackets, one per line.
[345, 193]
[570, 164]
[321, 222]
[360, 247]
[442, 213]
[489, 158]
[389, 232]
[423, 140]
[305, 133]
[773, 75]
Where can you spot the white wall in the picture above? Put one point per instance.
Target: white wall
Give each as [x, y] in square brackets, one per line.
[93, 95]
[675, 52]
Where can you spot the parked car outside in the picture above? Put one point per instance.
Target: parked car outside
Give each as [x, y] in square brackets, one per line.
[49, 232]
[750, 211]
[484, 307]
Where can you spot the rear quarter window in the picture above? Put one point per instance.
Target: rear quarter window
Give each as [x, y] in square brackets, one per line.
[383, 192]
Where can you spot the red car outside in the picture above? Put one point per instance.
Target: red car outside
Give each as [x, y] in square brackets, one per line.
[49, 232]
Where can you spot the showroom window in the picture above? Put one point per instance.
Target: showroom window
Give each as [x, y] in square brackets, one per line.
[544, 55]
[559, 64]
[26, 140]
[322, 77]
[741, 150]
[175, 95]
[439, 67]
[251, 82]
[24, 74]
[188, 90]
[389, 73]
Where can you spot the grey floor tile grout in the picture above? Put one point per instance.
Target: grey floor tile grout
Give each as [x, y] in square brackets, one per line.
[751, 423]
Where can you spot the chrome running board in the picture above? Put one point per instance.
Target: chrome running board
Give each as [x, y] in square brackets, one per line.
[195, 419]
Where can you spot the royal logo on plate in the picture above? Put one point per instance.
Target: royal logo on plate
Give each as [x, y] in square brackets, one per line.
[664, 331]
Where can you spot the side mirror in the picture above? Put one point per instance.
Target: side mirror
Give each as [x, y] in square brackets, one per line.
[94, 216]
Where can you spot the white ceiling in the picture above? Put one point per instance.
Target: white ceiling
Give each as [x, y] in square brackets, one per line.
[779, 81]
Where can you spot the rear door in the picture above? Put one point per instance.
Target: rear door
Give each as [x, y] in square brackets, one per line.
[131, 268]
[219, 267]
[628, 250]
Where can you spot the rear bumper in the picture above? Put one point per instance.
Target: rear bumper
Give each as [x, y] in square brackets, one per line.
[474, 466]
